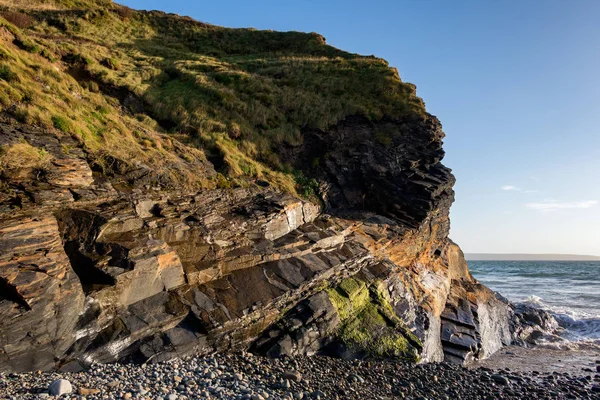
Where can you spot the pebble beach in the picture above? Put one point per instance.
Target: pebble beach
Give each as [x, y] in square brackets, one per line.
[244, 376]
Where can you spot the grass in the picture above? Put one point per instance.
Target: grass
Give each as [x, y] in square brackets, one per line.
[241, 93]
[23, 156]
[6, 74]
[369, 323]
[61, 123]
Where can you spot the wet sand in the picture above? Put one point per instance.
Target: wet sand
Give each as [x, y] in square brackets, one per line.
[545, 359]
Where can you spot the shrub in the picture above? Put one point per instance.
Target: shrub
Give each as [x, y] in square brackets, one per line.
[306, 186]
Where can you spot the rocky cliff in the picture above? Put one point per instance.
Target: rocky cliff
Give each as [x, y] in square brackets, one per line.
[91, 273]
[113, 249]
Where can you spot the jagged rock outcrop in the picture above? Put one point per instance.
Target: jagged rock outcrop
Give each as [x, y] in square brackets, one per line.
[101, 268]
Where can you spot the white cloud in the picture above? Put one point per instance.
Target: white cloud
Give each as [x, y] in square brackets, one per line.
[556, 205]
[509, 188]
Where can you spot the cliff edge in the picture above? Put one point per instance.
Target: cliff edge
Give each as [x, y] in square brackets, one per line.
[170, 187]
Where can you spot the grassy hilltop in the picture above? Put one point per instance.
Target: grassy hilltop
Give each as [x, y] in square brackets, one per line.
[148, 87]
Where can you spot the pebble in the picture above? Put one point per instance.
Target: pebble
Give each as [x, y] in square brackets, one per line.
[246, 377]
[501, 379]
[112, 384]
[292, 375]
[60, 387]
[87, 391]
[355, 378]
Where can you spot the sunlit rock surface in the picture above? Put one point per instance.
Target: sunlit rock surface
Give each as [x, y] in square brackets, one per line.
[93, 270]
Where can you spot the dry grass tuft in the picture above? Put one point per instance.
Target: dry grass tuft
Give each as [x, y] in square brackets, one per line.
[23, 156]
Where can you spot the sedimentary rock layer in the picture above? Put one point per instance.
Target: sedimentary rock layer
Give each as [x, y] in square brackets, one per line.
[97, 268]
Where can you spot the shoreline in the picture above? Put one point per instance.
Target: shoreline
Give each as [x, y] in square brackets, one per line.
[247, 377]
[579, 361]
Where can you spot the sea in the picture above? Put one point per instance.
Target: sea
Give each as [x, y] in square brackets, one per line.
[569, 290]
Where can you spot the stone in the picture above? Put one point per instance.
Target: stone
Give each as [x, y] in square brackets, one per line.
[355, 378]
[70, 172]
[60, 387]
[292, 375]
[87, 391]
[113, 384]
[501, 379]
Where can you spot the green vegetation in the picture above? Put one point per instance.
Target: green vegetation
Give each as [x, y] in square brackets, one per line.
[23, 156]
[307, 187]
[368, 321]
[6, 74]
[61, 123]
[236, 93]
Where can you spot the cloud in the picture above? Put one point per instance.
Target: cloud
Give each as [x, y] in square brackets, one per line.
[512, 188]
[556, 205]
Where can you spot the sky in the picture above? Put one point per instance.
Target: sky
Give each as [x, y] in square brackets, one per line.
[515, 83]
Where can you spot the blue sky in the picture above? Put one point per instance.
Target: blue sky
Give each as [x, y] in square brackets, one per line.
[516, 85]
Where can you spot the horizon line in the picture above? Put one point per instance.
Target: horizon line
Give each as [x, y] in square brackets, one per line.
[531, 256]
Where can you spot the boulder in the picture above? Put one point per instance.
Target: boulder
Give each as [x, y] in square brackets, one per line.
[60, 387]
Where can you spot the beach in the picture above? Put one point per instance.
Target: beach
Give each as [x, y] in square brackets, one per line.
[246, 377]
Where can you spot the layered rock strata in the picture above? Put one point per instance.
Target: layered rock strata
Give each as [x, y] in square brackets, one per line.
[98, 267]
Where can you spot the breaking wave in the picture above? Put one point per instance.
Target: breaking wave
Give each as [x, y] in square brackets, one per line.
[569, 291]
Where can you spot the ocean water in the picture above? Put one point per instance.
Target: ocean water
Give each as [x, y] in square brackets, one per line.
[569, 290]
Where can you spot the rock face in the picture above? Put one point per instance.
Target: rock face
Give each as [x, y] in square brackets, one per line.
[100, 268]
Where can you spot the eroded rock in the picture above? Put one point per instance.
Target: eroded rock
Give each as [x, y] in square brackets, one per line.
[40, 296]
[119, 269]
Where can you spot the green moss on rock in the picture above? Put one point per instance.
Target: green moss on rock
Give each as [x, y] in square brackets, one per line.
[349, 298]
[369, 323]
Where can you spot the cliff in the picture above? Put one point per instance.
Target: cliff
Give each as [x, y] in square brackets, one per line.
[171, 187]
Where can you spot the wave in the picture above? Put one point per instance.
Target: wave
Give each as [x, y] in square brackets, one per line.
[579, 328]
